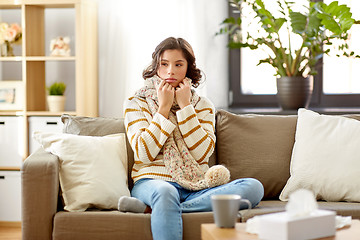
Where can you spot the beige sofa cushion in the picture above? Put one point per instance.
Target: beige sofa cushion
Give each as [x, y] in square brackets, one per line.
[98, 126]
[93, 169]
[325, 157]
[92, 126]
[118, 225]
[257, 146]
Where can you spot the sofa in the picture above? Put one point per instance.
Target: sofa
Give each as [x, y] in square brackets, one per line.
[249, 145]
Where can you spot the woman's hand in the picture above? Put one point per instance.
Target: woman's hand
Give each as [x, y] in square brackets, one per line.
[165, 94]
[183, 93]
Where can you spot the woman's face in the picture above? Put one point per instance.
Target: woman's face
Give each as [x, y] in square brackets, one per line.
[173, 67]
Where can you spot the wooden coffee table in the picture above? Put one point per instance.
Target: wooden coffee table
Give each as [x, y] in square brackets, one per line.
[211, 232]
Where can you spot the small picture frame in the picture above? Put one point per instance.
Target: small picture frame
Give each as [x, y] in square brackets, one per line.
[11, 95]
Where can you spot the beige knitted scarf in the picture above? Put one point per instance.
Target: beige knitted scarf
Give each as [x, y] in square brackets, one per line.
[178, 161]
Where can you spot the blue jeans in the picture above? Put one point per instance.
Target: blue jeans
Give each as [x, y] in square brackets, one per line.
[169, 200]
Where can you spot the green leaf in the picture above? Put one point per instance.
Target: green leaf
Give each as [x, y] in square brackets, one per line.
[260, 3]
[330, 23]
[267, 60]
[298, 22]
[235, 45]
[347, 23]
[238, 21]
[278, 23]
[332, 7]
[337, 18]
[313, 26]
[230, 20]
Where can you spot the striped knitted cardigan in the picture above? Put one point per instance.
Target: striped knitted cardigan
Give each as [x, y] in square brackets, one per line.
[175, 149]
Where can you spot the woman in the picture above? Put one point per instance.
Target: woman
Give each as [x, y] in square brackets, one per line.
[171, 130]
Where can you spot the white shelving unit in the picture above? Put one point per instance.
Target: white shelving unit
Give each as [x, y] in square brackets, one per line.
[33, 68]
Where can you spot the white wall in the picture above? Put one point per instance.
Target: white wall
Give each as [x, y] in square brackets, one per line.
[129, 31]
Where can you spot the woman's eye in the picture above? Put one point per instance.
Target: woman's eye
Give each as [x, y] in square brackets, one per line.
[178, 65]
[164, 64]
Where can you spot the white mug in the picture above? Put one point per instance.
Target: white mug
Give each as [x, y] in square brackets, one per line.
[226, 209]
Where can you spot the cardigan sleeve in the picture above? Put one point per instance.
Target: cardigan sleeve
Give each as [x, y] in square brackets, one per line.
[197, 126]
[146, 134]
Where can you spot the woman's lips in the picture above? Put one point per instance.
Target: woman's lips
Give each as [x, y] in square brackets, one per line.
[170, 80]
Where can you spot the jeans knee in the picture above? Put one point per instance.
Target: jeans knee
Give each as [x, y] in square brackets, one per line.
[256, 184]
[166, 193]
[257, 190]
[252, 189]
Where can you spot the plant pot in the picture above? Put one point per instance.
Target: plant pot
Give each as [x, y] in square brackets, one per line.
[294, 92]
[56, 103]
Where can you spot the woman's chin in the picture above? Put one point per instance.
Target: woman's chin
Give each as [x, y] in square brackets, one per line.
[174, 84]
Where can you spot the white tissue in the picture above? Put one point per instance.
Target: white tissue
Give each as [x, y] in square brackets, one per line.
[342, 221]
[301, 203]
[252, 225]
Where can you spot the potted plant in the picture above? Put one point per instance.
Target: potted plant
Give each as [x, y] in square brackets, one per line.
[56, 98]
[319, 28]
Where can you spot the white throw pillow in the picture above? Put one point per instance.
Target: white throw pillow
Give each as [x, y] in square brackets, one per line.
[93, 170]
[325, 157]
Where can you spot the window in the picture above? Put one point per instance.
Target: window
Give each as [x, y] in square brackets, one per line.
[337, 83]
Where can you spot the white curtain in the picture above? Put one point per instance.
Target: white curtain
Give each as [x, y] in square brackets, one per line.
[129, 31]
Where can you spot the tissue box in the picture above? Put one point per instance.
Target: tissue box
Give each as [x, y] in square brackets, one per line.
[280, 226]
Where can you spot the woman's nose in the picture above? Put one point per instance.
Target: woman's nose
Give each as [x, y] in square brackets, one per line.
[170, 71]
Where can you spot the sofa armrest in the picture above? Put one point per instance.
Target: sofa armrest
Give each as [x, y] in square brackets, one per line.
[40, 190]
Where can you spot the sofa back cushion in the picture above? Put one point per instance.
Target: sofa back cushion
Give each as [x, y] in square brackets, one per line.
[98, 126]
[325, 157]
[250, 145]
[257, 146]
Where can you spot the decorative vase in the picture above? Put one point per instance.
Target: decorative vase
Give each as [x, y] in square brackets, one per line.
[6, 50]
[294, 92]
[56, 103]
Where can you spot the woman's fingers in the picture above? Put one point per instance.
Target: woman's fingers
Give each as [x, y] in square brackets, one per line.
[162, 83]
[186, 82]
[168, 86]
[165, 86]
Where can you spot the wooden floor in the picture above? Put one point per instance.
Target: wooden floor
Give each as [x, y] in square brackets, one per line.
[10, 233]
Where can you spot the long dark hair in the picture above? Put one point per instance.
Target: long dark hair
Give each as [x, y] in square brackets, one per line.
[175, 43]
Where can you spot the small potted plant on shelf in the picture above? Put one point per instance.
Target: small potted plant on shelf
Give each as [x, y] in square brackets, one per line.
[56, 98]
[318, 29]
